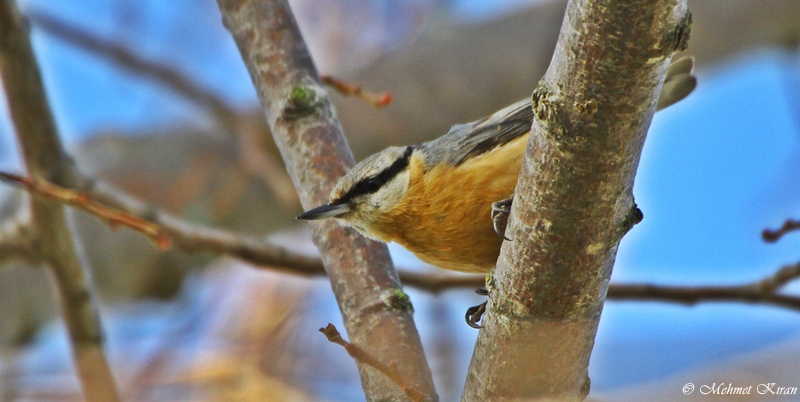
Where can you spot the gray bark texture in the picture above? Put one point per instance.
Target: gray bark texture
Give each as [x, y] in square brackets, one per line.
[376, 312]
[574, 199]
[52, 239]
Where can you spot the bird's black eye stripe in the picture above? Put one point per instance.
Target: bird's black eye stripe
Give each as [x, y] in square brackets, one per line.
[372, 184]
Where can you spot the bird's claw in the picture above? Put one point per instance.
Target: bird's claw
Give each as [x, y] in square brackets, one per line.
[500, 211]
[475, 313]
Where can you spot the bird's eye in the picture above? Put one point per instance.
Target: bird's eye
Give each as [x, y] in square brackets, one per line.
[372, 185]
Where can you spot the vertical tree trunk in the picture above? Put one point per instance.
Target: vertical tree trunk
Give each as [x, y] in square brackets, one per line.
[376, 312]
[574, 198]
[45, 158]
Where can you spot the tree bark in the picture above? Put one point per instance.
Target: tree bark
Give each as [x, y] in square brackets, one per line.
[53, 243]
[574, 198]
[376, 312]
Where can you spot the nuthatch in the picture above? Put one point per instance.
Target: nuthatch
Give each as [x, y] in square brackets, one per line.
[435, 199]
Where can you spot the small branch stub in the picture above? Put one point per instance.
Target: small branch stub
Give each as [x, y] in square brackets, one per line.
[772, 236]
[362, 356]
[345, 88]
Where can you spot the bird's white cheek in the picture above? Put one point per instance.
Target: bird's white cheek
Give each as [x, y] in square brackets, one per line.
[362, 227]
[391, 194]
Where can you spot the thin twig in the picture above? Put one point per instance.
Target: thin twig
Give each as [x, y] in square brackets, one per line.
[362, 356]
[772, 236]
[116, 207]
[345, 88]
[763, 292]
[80, 200]
[700, 294]
[777, 280]
[195, 238]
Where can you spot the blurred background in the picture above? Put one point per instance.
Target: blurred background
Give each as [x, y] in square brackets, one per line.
[717, 169]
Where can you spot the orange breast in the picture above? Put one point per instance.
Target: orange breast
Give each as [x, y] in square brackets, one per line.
[445, 218]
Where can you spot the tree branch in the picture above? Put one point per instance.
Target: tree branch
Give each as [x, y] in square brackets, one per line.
[363, 357]
[113, 217]
[195, 238]
[764, 291]
[345, 88]
[376, 312]
[700, 294]
[573, 200]
[772, 236]
[119, 208]
[45, 158]
[116, 207]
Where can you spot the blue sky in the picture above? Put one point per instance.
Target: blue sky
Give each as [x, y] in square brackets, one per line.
[716, 170]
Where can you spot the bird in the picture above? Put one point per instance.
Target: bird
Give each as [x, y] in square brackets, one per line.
[447, 200]
[434, 198]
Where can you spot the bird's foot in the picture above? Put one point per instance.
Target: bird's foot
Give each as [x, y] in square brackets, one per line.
[475, 313]
[500, 211]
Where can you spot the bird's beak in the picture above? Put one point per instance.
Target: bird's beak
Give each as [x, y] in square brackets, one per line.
[329, 210]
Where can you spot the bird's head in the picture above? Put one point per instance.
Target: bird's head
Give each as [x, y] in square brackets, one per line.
[363, 196]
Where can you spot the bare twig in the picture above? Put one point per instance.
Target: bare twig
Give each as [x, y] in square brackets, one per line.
[764, 291]
[772, 236]
[113, 217]
[776, 281]
[45, 158]
[380, 100]
[700, 294]
[195, 238]
[362, 356]
[760, 292]
[117, 208]
[190, 237]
